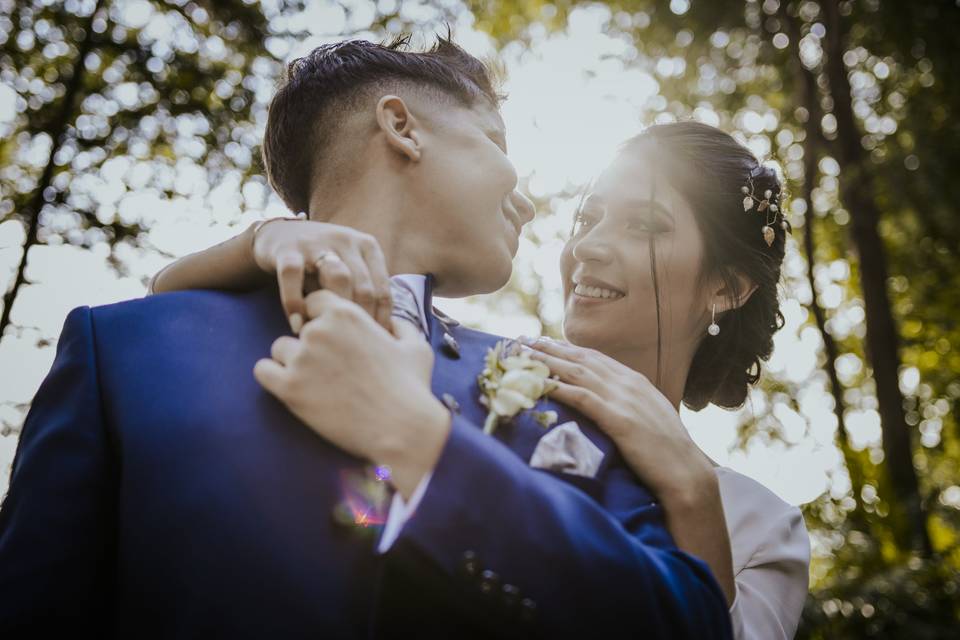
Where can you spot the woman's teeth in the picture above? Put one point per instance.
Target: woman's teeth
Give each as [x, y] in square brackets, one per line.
[596, 292]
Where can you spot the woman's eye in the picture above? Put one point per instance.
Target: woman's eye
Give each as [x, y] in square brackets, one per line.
[648, 224]
[645, 226]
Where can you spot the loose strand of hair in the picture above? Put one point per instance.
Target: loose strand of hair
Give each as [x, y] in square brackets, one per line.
[656, 288]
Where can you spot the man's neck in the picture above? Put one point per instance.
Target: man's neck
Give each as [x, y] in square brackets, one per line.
[380, 213]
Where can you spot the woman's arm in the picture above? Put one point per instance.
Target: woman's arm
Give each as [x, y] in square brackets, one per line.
[303, 255]
[650, 436]
[695, 519]
[229, 265]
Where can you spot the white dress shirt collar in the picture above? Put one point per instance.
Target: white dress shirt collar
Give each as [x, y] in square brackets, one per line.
[417, 284]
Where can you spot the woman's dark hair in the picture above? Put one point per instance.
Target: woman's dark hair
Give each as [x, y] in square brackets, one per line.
[709, 168]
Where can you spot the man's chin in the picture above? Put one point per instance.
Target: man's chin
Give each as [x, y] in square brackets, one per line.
[495, 280]
[503, 271]
[478, 278]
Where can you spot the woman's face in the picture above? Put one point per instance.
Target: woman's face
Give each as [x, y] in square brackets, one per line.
[610, 304]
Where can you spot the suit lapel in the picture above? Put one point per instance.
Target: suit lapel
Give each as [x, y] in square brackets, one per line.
[456, 378]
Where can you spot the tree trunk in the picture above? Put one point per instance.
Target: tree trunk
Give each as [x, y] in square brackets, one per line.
[882, 341]
[57, 133]
[813, 144]
[831, 352]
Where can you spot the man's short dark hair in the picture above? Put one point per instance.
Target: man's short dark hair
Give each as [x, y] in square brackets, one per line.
[319, 89]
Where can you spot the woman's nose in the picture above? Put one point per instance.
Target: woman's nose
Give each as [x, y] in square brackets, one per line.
[592, 248]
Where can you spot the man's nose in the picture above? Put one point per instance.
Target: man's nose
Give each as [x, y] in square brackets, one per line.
[525, 207]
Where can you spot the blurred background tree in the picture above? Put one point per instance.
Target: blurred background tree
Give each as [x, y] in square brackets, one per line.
[106, 88]
[136, 124]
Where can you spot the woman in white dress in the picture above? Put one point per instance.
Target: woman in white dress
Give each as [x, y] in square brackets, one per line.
[670, 285]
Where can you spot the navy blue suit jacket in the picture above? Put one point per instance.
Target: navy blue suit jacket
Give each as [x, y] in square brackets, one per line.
[159, 491]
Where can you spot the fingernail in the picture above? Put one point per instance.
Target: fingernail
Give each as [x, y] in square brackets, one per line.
[296, 322]
[527, 340]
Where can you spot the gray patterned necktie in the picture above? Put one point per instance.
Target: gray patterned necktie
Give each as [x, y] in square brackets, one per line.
[405, 304]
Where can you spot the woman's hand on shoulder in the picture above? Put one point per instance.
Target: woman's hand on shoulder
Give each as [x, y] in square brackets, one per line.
[629, 408]
[307, 255]
[647, 430]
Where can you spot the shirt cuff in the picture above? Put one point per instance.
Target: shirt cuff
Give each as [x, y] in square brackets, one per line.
[400, 512]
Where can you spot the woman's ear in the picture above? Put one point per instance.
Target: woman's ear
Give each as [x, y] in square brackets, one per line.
[399, 126]
[733, 293]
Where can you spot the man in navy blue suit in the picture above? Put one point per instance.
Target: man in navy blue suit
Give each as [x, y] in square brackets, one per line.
[159, 491]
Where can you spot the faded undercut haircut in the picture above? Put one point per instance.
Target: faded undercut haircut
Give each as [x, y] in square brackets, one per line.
[322, 89]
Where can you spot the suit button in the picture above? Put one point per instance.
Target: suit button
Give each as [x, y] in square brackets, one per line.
[528, 609]
[470, 564]
[489, 581]
[451, 346]
[445, 319]
[510, 595]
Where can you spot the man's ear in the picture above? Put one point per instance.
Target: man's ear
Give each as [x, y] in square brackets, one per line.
[399, 126]
[727, 298]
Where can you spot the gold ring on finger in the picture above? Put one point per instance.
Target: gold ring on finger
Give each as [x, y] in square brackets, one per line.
[324, 256]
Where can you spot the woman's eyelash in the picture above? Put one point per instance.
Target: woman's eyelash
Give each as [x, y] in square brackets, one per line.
[646, 224]
[650, 222]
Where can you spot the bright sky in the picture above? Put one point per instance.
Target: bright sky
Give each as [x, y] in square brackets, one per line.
[552, 97]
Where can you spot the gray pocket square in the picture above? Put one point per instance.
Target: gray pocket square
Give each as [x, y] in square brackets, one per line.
[567, 450]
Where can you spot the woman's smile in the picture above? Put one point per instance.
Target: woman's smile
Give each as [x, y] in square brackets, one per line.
[588, 290]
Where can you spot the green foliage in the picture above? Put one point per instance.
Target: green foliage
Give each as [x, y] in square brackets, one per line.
[165, 86]
[910, 598]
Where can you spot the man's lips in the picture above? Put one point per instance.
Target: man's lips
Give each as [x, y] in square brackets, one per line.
[514, 219]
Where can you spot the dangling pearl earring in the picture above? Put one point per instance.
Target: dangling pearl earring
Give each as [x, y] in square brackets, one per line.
[714, 328]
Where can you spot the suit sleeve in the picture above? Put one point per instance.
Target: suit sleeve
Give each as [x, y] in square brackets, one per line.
[575, 567]
[57, 522]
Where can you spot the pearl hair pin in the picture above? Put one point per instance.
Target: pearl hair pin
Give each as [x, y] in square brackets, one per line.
[764, 206]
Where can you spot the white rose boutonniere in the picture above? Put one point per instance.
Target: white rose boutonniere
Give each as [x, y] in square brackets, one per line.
[512, 382]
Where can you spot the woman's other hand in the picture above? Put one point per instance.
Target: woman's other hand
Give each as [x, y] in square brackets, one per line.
[630, 409]
[647, 430]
